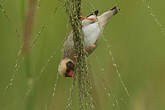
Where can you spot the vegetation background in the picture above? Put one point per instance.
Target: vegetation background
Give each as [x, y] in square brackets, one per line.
[136, 37]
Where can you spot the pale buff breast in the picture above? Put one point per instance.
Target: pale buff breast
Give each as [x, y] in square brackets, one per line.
[91, 34]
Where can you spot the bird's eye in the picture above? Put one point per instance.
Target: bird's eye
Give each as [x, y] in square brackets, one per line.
[70, 65]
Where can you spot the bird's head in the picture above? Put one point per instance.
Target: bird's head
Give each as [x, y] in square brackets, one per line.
[66, 68]
[104, 18]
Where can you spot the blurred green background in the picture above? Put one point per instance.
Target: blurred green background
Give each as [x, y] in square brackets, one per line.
[135, 38]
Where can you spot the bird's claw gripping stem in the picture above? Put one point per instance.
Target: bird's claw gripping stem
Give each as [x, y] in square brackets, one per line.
[89, 49]
[86, 51]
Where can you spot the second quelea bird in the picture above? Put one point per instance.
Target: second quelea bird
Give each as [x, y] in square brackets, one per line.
[92, 28]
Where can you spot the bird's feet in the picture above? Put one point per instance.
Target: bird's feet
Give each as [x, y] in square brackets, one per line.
[92, 19]
[86, 51]
[90, 49]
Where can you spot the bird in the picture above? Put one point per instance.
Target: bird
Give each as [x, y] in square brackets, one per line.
[92, 28]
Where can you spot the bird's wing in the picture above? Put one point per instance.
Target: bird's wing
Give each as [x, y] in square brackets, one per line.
[69, 47]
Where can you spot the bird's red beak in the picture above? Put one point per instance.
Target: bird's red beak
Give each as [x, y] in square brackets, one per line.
[70, 74]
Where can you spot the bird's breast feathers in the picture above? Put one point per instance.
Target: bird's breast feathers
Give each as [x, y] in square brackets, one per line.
[91, 33]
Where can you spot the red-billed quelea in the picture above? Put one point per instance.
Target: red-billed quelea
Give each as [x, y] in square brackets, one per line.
[92, 28]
